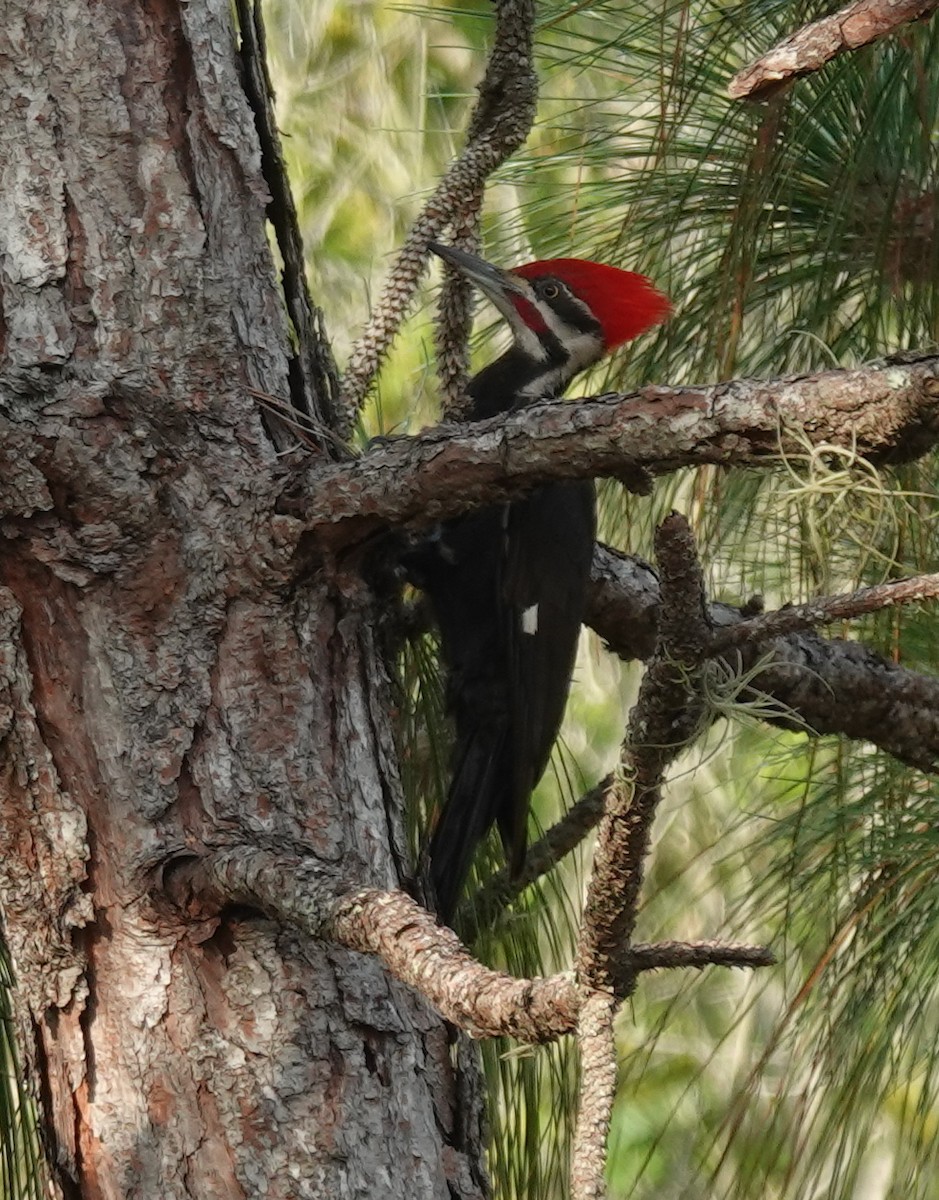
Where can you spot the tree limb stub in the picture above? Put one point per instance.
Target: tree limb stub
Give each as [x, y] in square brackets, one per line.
[811, 47]
[887, 413]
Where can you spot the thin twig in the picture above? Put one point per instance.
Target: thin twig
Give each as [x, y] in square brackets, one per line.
[314, 380]
[824, 611]
[812, 46]
[654, 956]
[481, 910]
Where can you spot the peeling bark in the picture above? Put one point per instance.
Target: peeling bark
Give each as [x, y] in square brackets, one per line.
[811, 47]
[166, 682]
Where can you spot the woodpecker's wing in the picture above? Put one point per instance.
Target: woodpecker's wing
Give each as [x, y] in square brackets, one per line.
[545, 569]
[508, 584]
[461, 569]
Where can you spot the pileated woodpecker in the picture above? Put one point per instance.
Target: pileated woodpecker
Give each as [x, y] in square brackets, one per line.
[508, 583]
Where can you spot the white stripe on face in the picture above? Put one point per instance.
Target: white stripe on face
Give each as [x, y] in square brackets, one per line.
[584, 347]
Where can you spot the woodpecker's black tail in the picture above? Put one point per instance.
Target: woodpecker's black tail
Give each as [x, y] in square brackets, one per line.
[481, 778]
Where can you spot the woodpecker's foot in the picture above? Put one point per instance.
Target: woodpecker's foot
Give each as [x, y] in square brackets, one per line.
[636, 480]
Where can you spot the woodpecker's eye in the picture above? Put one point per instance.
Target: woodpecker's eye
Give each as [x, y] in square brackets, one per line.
[550, 291]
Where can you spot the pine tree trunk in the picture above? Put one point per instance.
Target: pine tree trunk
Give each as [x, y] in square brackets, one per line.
[168, 679]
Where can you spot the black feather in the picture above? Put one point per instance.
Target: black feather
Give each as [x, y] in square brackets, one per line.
[506, 688]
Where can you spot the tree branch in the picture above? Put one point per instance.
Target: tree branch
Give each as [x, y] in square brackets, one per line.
[653, 956]
[761, 629]
[429, 957]
[820, 685]
[482, 909]
[455, 318]
[815, 44]
[415, 949]
[507, 97]
[886, 412]
[597, 1092]
[667, 714]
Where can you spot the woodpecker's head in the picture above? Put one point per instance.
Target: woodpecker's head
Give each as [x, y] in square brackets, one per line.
[565, 313]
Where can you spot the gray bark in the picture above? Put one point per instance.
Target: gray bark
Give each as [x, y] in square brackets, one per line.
[169, 680]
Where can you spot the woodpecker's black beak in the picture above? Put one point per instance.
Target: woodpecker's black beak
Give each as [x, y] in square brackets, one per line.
[498, 286]
[492, 281]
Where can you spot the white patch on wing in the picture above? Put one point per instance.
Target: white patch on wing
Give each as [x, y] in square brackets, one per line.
[530, 619]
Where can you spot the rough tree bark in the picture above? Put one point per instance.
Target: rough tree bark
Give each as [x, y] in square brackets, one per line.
[169, 680]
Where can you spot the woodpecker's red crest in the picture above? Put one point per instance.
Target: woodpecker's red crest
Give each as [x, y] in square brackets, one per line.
[565, 298]
[565, 314]
[624, 303]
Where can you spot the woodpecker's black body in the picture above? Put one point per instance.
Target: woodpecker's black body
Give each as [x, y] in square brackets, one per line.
[508, 583]
[508, 674]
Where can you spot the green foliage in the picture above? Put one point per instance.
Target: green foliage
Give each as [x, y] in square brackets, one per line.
[791, 236]
[22, 1171]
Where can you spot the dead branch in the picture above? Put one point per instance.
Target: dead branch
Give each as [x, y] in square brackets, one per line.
[886, 412]
[815, 44]
[819, 685]
[666, 716]
[432, 959]
[314, 384]
[481, 910]
[825, 610]
[415, 949]
[304, 894]
[499, 125]
[653, 956]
